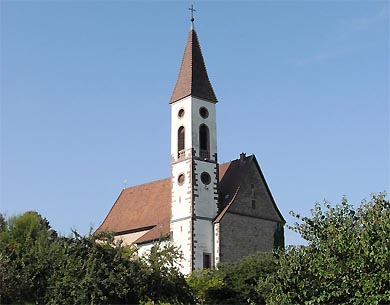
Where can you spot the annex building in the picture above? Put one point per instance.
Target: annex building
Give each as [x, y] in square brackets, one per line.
[214, 213]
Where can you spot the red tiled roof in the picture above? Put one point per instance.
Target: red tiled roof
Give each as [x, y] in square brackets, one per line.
[148, 206]
[144, 206]
[140, 207]
[193, 79]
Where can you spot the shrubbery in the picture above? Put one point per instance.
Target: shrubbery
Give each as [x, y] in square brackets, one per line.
[346, 261]
[37, 266]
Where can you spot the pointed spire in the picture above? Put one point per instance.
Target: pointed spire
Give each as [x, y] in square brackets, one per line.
[193, 79]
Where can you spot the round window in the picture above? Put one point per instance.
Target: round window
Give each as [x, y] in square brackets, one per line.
[205, 178]
[204, 113]
[180, 179]
[180, 114]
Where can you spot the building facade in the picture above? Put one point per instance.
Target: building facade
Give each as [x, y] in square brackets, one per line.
[213, 212]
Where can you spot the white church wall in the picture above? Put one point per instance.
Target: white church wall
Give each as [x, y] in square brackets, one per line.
[176, 122]
[191, 120]
[216, 244]
[181, 206]
[181, 194]
[186, 210]
[205, 201]
[144, 249]
[203, 241]
[205, 210]
[182, 238]
[210, 122]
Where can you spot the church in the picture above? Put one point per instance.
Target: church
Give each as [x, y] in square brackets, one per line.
[214, 213]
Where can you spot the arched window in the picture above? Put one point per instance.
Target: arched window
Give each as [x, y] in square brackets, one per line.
[180, 142]
[204, 141]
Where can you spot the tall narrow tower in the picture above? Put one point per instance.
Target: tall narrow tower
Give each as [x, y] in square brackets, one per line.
[194, 160]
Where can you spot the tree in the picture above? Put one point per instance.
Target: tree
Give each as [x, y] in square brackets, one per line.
[235, 283]
[202, 282]
[162, 281]
[37, 266]
[93, 270]
[24, 259]
[346, 260]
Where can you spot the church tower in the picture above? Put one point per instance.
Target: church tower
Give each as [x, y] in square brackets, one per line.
[194, 160]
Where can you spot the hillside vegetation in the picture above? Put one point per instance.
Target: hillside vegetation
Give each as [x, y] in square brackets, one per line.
[346, 261]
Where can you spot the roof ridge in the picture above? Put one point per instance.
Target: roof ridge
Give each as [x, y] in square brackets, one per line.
[146, 183]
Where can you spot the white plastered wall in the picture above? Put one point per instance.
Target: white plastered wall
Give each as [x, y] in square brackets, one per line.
[205, 204]
[217, 258]
[210, 122]
[176, 122]
[181, 206]
[191, 122]
[205, 210]
[185, 209]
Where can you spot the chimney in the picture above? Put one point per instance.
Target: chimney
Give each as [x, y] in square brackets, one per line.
[242, 157]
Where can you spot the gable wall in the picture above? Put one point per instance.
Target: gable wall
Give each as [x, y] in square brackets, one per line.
[245, 230]
[263, 201]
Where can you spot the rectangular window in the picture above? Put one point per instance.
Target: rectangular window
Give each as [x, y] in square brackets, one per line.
[206, 260]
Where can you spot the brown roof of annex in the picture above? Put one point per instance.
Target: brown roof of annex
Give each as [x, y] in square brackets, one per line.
[193, 78]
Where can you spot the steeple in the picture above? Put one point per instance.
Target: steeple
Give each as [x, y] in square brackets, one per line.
[193, 79]
[194, 165]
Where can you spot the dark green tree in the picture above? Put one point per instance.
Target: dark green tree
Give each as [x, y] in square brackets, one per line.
[3, 223]
[38, 267]
[161, 278]
[93, 270]
[236, 283]
[204, 282]
[346, 261]
[24, 258]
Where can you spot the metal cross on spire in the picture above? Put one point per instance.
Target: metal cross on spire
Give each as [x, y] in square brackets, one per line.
[192, 13]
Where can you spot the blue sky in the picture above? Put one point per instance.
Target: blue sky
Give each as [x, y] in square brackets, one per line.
[85, 85]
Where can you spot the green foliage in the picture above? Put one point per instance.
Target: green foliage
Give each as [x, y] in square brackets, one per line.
[279, 236]
[346, 260]
[92, 270]
[3, 223]
[234, 283]
[203, 282]
[38, 267]
[24, 257]
[162, 280]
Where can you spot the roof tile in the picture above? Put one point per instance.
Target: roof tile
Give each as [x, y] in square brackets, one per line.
[193, 78]
[149, 205]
